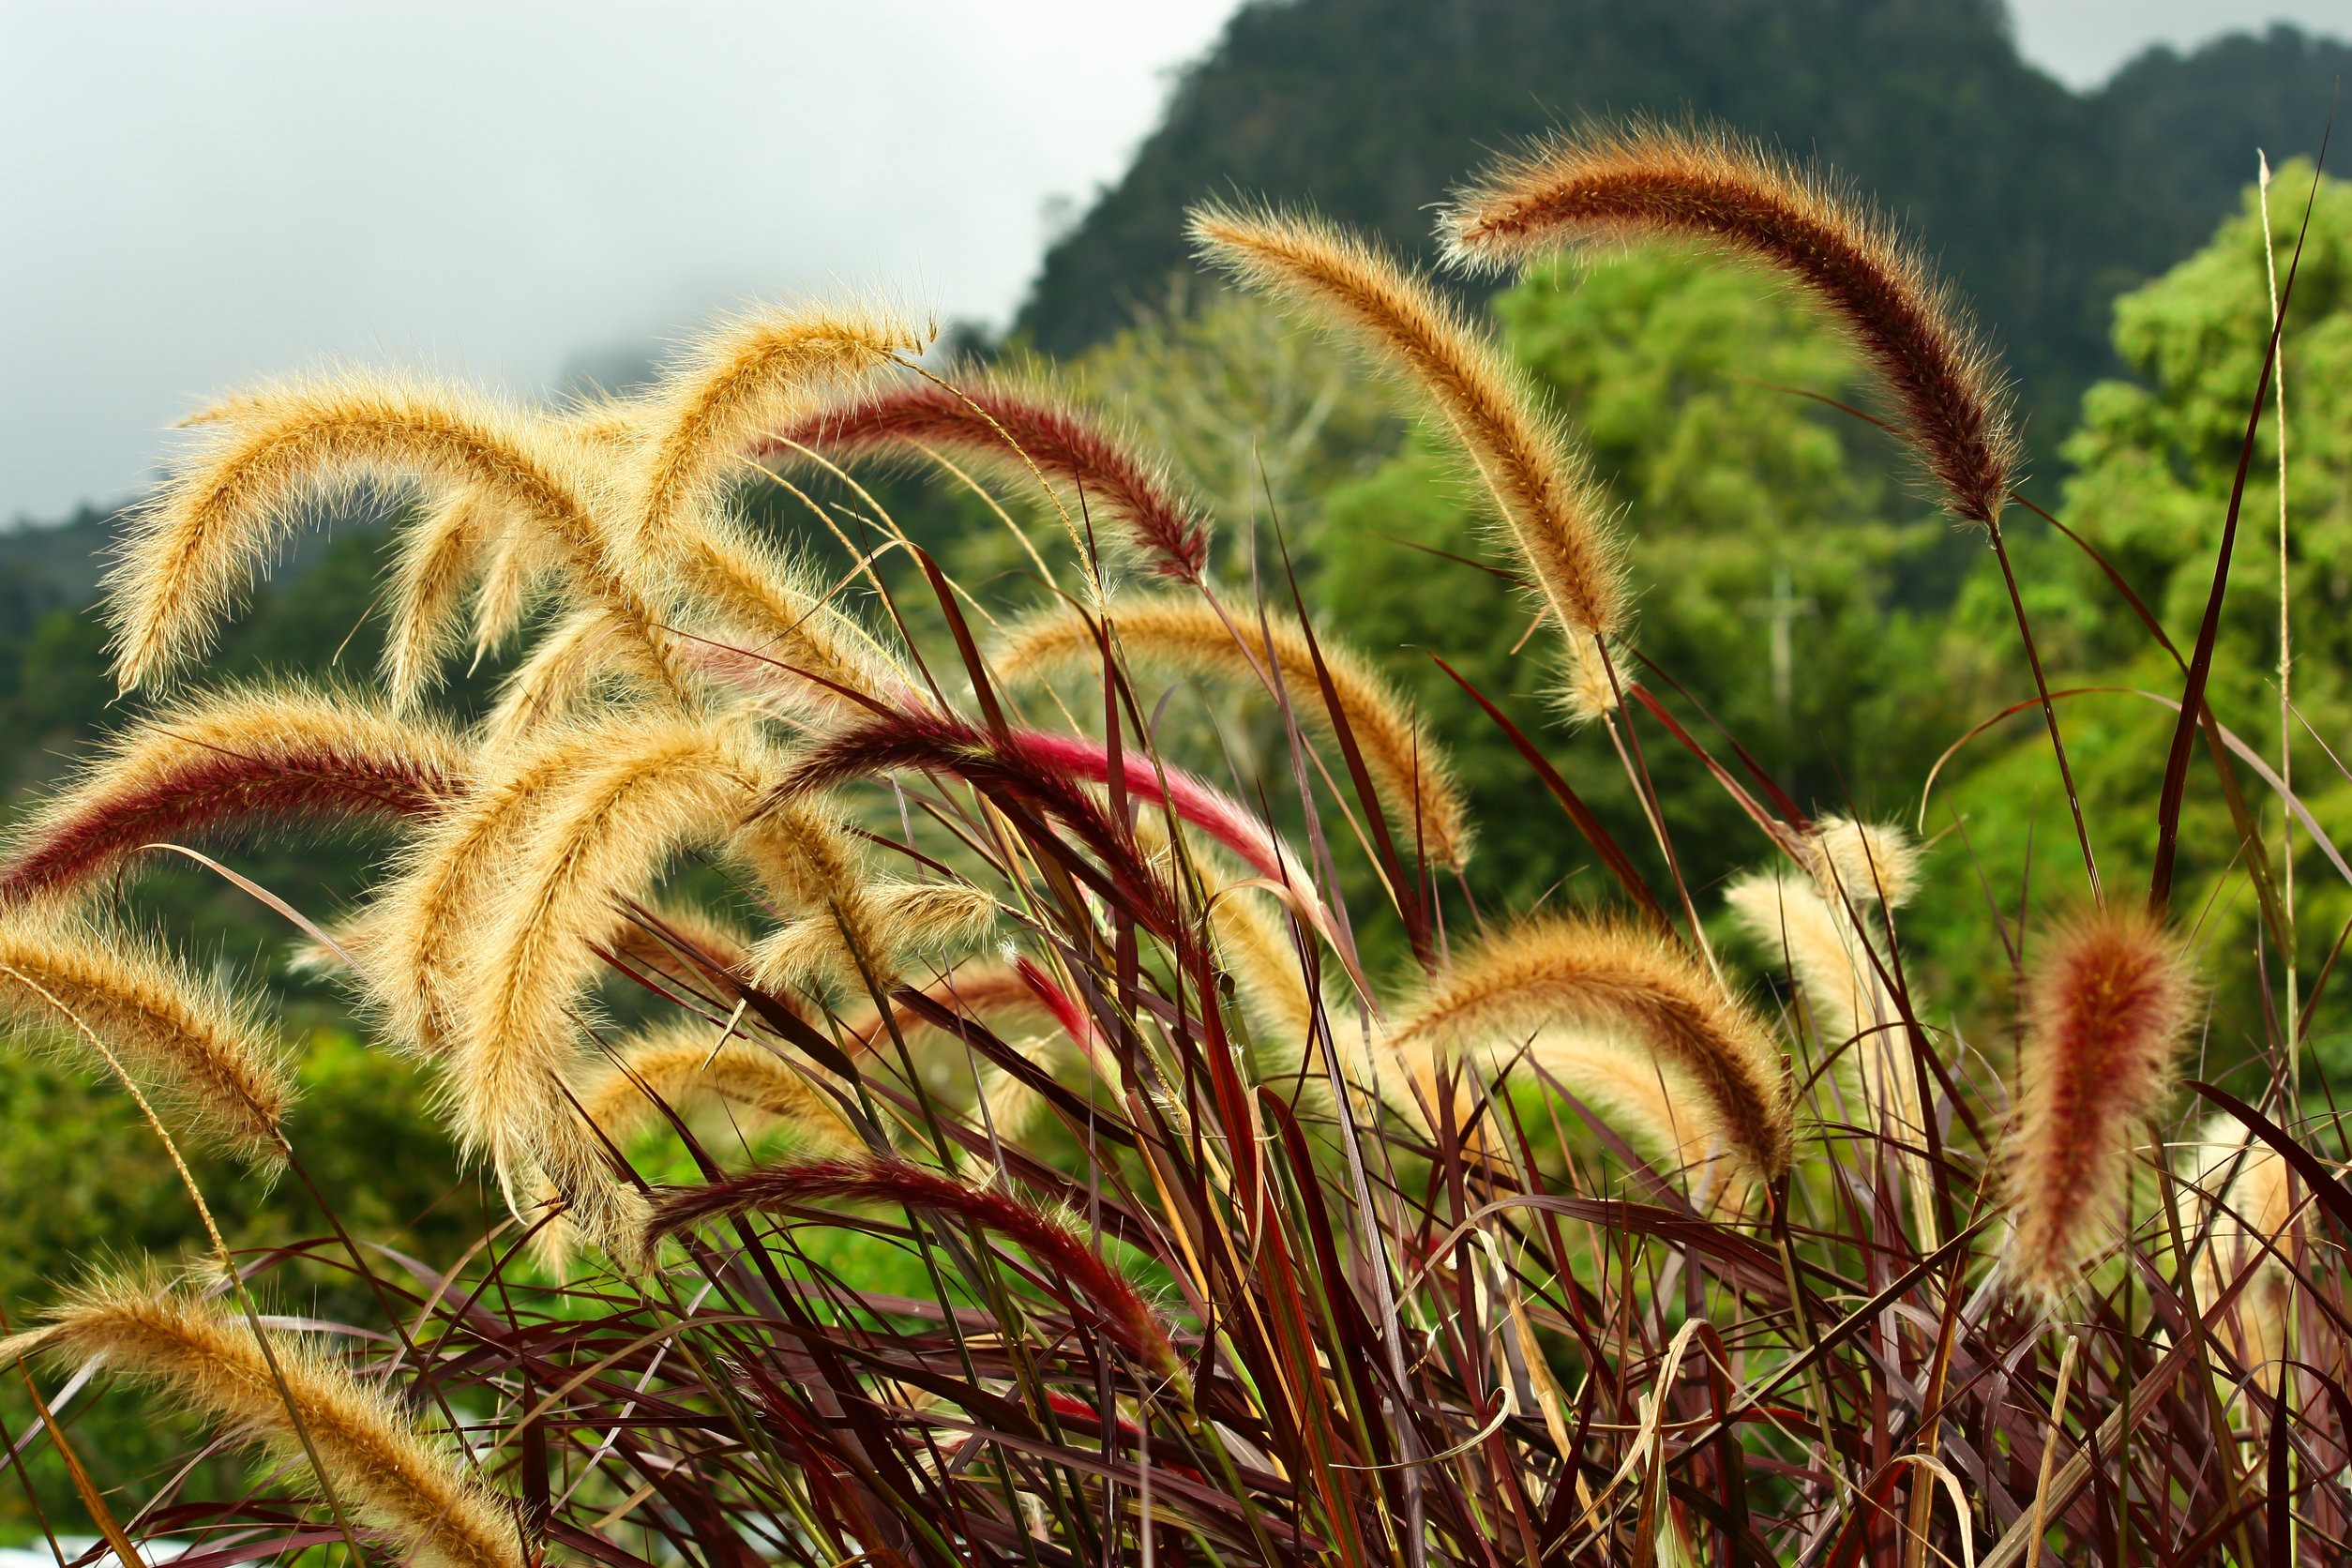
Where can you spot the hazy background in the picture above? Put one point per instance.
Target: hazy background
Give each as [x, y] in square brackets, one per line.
[196, 193]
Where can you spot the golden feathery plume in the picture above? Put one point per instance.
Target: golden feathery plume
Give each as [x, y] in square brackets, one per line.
[1850, 1002]
[581, 653]
[632, 792]
[190, 1041]
[465, 542]
[207, 532]
[1617, 980]
[278, 754]
[2107, 1005]
[1650, 1102]
[1255, 947]
[1539, 483]
[793, 641]
[678, 1064]
[501, 599]
[430, 913]
[2243, 1198]
[1185, 635]
[633, 795]
[757, 372]
[437, 562]
[1842, 986]
[885, 922]
[1728, 191]
[402, 1480]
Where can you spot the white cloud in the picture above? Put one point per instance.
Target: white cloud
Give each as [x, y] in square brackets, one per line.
[197, 194]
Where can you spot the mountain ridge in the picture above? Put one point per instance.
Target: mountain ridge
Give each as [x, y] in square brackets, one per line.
[2044, 204]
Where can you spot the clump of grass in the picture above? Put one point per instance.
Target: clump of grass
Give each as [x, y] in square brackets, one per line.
[1158, 1218]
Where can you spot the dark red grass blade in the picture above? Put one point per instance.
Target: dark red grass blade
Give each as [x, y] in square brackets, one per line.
[1092, 1283]
[2331, 1192]
[984, 1042]
[1410, 893]
[1587, 823]
[2115, 580]
[2208, 629]
[2281, 1514]
[1008, 772]
[1789, 810]
[2049, 710]
[982, 688]
[1780, 832]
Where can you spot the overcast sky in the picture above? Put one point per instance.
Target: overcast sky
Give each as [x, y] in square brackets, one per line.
[197, 192]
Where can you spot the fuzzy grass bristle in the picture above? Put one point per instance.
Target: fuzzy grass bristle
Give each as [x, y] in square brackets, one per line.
[270, 755]
[875, 933]
[1539, 484]
[202, 1049]
[502, 597]
[1648, 1100]
[427, 915]
[439, 559]
[1863, 863]
[792, 640]
[713, 408]
[632, 796]
[589, 649]
[1854, 1011]
[1187, 636]
[1597, 975]
[680, 943]
[1008, 424]
[2107, 1007]
[842, 924]
[681, 1063]
[210, 527]
[1254, 946]
[1728, 191]
[295, 1400]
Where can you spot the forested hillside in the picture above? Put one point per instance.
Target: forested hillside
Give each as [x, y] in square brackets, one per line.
[2043, 203]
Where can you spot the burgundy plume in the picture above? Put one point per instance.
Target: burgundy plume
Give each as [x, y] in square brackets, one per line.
[1070, 1268]
[1719, 188]
[216, 789]
[999, 422]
